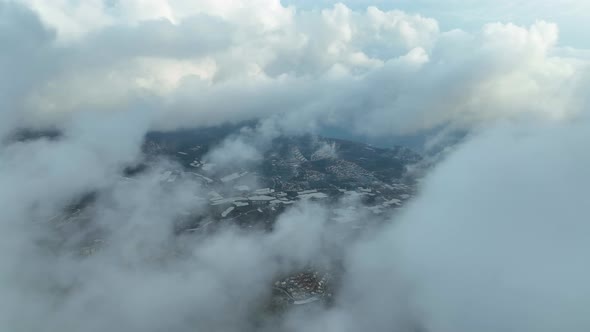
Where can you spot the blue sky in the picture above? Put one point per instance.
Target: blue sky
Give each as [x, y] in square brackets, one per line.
[572, 16]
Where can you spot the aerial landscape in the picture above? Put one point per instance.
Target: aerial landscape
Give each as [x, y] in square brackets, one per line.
[294, 165]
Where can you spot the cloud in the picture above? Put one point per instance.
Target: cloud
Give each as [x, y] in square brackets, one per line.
[494, 241]
[325, 151]
[470, 15]
[26, 43]
[141, 276]
[209, 63]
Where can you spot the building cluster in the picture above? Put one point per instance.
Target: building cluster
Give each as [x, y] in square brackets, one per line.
[258, 198]
[305, 287]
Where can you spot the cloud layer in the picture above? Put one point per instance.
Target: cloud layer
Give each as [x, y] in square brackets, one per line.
[208, 62]
[495, 241]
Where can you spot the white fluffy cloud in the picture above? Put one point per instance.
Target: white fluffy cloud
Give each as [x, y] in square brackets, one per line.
[368, 70]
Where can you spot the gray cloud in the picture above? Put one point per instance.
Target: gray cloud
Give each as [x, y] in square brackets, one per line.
[26, 46]
[495, 240]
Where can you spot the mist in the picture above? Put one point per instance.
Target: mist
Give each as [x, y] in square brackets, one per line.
[494, 240]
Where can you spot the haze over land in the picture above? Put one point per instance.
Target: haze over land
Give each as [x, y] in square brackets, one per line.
[487, 231]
